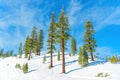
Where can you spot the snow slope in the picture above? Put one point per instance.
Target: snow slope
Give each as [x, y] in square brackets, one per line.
[40, 71]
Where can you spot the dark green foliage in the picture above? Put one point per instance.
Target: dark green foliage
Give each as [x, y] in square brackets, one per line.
[11, 52]
[44, 58]
[51, 38]
[62, 35]
[26, 47]
[37, 49]
[25, 68]
[33, 39]
[80, 56]
[113, 60]
[20, 51]
[15, 55]
[18, 66]
[40, 40]
[7, 54]
[83, 57]
[58, 56]
[1, 52]
[89, 40]
[73, 46]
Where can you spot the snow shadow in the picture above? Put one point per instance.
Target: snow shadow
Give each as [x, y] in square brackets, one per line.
[96, 63]
[32, 70]
[72, 70]
[70, 62]
[49, 56]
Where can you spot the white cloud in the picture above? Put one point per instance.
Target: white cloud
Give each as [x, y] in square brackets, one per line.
[20, 15]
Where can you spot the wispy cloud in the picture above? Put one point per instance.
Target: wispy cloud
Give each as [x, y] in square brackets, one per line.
[19, 20]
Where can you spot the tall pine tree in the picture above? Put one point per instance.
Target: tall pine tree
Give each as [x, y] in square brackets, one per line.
[51, 39]
[62, 34]
[73, 46]
[89, 40]
[20, 51]
[26, 47]
[33, 38]
[40, 40]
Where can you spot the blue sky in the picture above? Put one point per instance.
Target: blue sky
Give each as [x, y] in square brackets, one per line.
[17, 18]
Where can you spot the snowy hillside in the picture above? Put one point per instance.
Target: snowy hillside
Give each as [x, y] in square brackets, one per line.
[40, 71]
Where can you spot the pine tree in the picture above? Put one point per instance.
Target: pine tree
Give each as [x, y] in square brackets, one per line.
[20, 51]
[40, 40]
[58, 56]
[89, 40]
[33, 39]
[26, 48]
[51, 39]
[73, 46]
[83, 57]
[80, 56]
[62, 35]
[1, 52]
[30, 47]
[11, 52]
[25, 68]
[113, 60]
[44, 58]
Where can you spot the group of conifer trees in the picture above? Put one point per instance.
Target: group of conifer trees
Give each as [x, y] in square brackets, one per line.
[58, 33]
[33, 43]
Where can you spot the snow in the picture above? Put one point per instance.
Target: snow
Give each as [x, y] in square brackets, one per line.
[39, 71]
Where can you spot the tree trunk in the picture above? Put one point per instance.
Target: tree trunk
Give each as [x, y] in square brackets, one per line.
[91, 55]
[51, 64]
[63, 57]
[29, 55]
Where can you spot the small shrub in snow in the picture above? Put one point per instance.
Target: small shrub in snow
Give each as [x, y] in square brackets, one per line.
[113, 60]
[25, 68]
[83, 57]
[102, 75]
[15, 55]
[18, 66]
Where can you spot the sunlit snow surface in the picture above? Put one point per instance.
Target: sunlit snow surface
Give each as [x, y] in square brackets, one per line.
[40, 71]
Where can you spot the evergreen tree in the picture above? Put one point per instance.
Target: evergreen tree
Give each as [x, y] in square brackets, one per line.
[20, 51]
[33, 39]
[83, 57]
[37, 48]
[89, 40]
[1, 52]
[30, 47]
[80, 56]
[11, 52]
[51, 39]
[40, 40]
[26, 47]
[58, 56]
[62, 35]
[25, 68]
[73, 46]
[44, 58]
[113, 60]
